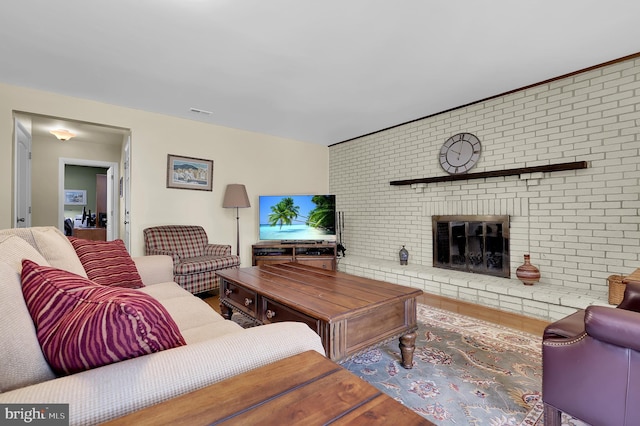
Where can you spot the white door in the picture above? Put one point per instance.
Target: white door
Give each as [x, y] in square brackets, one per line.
[126, 189]
[23, 176]
[110, 195]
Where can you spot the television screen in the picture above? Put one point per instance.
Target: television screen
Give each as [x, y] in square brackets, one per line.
[298, 217]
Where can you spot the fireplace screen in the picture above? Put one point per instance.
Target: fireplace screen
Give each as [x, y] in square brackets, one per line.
[478, 244]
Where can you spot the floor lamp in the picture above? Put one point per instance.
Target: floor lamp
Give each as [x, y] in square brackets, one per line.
[236, 196]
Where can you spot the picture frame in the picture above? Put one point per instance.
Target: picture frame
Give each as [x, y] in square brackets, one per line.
[189, 173]
[75, 197]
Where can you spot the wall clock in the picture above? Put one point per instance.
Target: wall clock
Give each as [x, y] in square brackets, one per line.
[460, 153]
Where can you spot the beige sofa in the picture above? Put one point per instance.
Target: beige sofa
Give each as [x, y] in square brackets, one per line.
[216, 348]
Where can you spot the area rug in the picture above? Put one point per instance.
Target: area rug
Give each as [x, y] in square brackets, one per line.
[466, 372]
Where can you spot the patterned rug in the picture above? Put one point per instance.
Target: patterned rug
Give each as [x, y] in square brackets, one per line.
[466, 372]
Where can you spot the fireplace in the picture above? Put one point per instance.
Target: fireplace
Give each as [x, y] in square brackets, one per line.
[478, 244]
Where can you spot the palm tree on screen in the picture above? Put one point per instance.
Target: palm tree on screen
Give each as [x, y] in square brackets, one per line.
[323, 215]
[284, 212]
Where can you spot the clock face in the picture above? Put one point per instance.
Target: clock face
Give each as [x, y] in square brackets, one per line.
[460, 153]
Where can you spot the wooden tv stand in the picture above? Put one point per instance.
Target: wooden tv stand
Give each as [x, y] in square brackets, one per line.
[321, 255]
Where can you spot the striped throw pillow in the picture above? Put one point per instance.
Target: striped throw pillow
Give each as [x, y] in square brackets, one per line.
[82, 325]
[107, 263]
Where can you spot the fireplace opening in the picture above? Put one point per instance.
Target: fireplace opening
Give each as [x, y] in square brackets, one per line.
[478, 244]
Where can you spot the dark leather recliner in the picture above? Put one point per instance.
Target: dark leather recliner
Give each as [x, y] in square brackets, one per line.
[591, 364]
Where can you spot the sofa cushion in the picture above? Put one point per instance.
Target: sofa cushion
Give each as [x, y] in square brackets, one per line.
[52, 245]
[15, 248]
[21, 360]
[196, 320]
[194, 265]
[82, 325]
[107, 263]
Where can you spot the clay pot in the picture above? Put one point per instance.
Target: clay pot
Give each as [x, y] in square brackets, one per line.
[527, 273]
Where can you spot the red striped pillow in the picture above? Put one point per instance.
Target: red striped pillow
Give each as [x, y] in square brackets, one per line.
[82, 325]
[107, 263]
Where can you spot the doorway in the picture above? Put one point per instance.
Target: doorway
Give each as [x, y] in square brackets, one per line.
[112, 198]
[94, 144]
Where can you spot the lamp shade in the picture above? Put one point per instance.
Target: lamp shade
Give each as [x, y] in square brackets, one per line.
[236, 196]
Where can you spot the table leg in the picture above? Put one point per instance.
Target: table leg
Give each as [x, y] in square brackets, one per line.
[407, 346]
[225, 311]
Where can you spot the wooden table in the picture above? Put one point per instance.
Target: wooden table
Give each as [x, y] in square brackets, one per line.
[94, 234]
[305, 389]
[350, 313]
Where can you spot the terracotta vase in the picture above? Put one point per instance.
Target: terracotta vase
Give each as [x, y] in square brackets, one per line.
[527, 273]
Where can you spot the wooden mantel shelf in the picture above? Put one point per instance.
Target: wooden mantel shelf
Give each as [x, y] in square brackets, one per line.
[496, 173]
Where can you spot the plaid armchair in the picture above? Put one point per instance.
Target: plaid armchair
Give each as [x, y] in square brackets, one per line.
[195, 261]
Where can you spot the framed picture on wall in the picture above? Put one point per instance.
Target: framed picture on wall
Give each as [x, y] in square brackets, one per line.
[75, 197]
[189, 173]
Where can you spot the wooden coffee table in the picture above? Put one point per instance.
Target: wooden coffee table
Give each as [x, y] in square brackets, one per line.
[305, 389]
[351, 314]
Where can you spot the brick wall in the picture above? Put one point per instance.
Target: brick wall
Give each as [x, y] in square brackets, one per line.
[579, 226]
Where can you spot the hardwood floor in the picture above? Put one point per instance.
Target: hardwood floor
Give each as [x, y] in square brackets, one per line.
[507, 319]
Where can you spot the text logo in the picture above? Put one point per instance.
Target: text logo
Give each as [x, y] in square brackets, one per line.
[34, 414]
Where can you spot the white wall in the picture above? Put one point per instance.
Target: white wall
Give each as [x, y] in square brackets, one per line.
[579, 226]
[265, 164]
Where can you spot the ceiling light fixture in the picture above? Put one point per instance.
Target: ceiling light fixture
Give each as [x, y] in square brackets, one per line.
[62, 134]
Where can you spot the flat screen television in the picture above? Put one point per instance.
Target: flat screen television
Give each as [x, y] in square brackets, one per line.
[297, 218]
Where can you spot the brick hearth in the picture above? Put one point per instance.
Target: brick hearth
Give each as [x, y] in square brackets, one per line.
[544, 301]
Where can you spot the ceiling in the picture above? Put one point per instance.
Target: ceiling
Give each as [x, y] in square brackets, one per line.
[85, 132]
[316, 71]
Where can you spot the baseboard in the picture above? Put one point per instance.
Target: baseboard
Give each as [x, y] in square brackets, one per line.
[496, 316]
